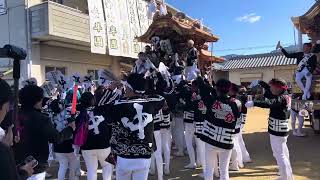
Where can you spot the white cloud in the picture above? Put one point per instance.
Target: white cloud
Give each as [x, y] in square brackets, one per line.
[249, 18]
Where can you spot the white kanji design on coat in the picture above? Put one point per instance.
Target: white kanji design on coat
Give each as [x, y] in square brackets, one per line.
[140, 120]
[95, 121]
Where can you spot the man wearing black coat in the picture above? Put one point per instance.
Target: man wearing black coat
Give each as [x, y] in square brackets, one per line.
[36, 130]
[307, 63]
[7, 162]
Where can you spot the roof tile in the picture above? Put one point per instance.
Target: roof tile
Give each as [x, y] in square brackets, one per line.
[258, 60]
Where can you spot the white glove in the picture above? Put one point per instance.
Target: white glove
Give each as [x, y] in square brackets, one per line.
[254, 83]
[318, 42]
[249, 104]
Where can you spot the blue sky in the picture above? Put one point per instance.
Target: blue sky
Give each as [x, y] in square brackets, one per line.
[246, 23]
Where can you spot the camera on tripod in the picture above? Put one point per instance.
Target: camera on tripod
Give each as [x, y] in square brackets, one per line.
[14, 52]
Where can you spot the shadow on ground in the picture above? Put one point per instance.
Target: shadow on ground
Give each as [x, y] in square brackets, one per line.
[304, 155]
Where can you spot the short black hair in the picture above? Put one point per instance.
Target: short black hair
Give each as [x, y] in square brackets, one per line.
[278, 81]
[54, 106]
[223, 86]
[86, 100]
[141, 53]
[5, 94]
[30, 95]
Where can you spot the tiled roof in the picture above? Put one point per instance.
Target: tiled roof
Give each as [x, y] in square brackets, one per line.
[258, 61]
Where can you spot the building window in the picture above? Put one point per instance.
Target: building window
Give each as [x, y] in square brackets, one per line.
[63, 70]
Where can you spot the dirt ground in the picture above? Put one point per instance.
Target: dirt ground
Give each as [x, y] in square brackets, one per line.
[304, 154]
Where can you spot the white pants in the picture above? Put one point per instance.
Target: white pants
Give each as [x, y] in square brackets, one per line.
[91, 158]
[40, 176]
[211, 160]
[132, 169]
[191, 72]
[281, 154]
[236, 156]
[244, 151]
[200, 146]
[178, 135]
[189, 130]
[67, 161]
[305, 88]
[294, 116]
[163, 141]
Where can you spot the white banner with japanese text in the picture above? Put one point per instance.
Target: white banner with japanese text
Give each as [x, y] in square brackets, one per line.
[97, 27]
[112, 15]
[125, 46]
[134, 27]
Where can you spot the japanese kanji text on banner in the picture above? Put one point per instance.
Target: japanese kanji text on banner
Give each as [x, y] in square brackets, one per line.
[97, 27]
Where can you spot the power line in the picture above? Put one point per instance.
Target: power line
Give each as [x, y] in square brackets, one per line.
[250, 48]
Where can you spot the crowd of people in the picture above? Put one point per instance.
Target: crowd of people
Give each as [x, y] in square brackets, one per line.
[131, 125]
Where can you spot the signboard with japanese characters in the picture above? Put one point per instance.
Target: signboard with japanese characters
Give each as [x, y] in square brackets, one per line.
[97, 27]
[125, 19]
[142, 8]
[125, 46]
[134, 27]
[113, 20]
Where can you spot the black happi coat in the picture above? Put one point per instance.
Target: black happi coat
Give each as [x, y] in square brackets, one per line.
[200, 109]
[125, 139]
[99, 121]
[192, 56]
[99, 129]
[311, 61]
[162, 120]
[185, 97]
[243, 98]
[219, 126]
[279, 111]
[157, 85]
[60, 122]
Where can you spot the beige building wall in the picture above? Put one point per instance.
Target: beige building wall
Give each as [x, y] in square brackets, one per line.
[286, 73]
[72, 59]
[216, 75]
[265, 74]
[247, 75]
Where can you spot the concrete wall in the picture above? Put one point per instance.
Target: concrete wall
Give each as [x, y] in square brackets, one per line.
[245, 75]
[50, 20]
[286, 74]
[74, 60]
[34, 2]
[216, 75]
[265, 74]
[13, 28]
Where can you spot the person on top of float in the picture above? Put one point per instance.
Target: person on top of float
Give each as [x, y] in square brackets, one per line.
[307, 63]
[143, 64]
[191, 69]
